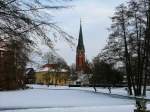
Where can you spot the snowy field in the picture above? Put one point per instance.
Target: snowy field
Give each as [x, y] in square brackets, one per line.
[62, 99]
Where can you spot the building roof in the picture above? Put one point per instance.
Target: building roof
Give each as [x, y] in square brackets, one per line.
[51, 68]
[80, 40]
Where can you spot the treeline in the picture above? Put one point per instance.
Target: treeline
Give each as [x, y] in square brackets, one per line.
[128, 44]
[105, 74]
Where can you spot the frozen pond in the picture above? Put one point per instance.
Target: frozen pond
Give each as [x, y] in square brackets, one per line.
[62, 100]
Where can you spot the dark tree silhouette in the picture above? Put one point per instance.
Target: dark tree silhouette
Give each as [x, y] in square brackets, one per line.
[105, 74]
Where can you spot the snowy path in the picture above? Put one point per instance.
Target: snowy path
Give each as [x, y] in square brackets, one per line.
[54, 100]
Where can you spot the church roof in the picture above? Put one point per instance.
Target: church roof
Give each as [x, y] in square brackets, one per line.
[80, 40]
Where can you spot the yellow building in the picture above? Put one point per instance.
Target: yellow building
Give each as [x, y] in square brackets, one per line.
[50, 74]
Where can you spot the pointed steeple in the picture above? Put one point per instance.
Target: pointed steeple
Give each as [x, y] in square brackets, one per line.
[80, 54]
[80, 40]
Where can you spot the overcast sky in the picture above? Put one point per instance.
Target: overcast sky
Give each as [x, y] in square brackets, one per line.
[95, 15]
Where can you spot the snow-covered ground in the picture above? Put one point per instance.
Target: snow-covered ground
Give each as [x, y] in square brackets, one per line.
[63, 99]
[124, 108]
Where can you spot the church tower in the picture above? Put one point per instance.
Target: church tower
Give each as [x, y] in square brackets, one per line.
[80, 53]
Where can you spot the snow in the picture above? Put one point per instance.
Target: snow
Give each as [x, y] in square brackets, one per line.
[46, 87]
[118, 91]
[1, 49]
[45, 69]
[64, 99]
[56, 98]
[126, 108]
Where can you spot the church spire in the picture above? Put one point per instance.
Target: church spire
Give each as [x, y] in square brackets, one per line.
[80, 40]
[80, 54]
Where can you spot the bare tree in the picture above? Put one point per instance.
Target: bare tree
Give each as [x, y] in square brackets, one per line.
[129, 43]
[24, 22]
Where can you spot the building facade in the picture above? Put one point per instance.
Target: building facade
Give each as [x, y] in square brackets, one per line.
[50, 74]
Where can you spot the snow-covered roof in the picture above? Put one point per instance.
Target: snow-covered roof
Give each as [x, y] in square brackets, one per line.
[46, 69]
[51, 68]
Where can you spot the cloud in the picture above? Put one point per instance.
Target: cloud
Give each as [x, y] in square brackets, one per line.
[95, 20]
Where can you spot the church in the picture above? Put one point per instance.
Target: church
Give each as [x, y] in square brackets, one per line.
[81, 66]
[80, 53]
